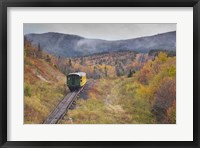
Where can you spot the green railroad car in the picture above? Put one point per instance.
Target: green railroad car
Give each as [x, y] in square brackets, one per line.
[76, 80]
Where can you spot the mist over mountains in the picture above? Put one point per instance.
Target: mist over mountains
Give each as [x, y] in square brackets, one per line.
[67, 45]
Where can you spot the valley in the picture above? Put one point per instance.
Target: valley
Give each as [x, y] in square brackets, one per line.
[128, 86]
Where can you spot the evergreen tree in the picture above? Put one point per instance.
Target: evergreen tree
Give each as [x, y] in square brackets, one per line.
[106, 72]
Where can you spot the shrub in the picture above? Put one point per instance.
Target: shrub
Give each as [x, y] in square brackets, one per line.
[165, 96]
[171, 114]
[27, 90]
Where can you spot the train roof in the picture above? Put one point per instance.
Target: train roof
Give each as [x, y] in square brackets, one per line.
[78, 73]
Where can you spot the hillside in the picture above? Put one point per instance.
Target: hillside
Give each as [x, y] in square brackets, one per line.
[101, 65]
[66, 45]
[128, 87]
[147, 97]
[44, 86]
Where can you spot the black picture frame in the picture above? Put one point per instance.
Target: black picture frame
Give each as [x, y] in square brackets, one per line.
[99, 3]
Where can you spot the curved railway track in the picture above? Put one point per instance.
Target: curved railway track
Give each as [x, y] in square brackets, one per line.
[62, 107]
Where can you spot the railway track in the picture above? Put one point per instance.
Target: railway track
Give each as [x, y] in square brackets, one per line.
[62, 107]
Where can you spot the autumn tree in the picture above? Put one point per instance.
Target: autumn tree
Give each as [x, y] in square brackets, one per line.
[165, 96]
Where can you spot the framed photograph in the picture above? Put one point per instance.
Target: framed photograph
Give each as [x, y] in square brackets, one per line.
[100, 73]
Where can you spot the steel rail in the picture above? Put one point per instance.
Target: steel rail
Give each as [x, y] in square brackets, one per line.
[62, 107]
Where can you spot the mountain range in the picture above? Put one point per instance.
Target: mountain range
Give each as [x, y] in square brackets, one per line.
[68, 45]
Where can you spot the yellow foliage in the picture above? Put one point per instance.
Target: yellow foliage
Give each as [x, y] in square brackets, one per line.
[152, 77]
[145, 92]
[162, 57]
[171, 114]
[44, 97]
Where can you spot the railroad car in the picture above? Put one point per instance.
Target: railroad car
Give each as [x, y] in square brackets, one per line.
[76, 80]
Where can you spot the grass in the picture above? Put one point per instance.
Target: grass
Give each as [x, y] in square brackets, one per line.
[43, 99]
[111, 101]
[44, 88]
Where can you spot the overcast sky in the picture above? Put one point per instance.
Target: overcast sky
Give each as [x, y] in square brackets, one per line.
[108, 31]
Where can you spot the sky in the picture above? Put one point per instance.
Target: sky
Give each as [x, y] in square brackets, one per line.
[105, 31]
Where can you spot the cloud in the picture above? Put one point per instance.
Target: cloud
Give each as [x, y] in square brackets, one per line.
[106, 31]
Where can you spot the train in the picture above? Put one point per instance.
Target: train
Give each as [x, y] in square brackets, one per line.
[76, 80]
